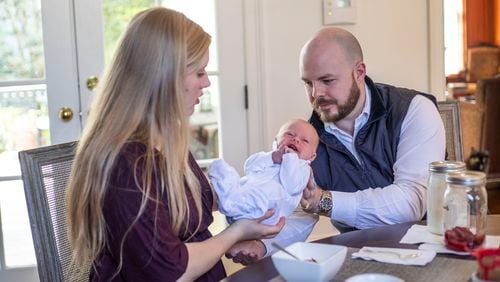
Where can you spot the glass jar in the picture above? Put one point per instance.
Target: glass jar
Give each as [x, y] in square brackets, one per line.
[466, 208]
[435, 192]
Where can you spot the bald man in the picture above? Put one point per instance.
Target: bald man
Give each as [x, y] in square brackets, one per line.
[376, 142]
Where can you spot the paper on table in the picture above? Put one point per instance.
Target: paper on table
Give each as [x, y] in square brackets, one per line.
[419, 234]
[396, 256]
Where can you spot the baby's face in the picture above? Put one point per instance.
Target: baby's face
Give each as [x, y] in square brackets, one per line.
[301, 137]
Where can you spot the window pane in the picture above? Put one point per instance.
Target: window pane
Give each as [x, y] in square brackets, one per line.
[116, 15]
[203, 13]
[204, 142]
[23, 125]
[18, 243]
[21, 50]
[453, 38]
[24, 122]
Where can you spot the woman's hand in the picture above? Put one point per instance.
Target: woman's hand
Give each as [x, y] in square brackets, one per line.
[249, 229]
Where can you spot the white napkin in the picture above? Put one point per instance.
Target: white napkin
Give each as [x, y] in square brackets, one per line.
[420, 234]
[395, 256]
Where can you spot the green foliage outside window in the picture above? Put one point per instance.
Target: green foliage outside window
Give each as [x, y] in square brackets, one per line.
[116, 15]
[22, 58]
[21, 47]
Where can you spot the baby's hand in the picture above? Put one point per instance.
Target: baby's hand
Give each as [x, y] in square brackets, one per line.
[278, 154]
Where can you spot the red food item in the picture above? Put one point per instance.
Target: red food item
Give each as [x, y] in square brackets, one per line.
[462, 239]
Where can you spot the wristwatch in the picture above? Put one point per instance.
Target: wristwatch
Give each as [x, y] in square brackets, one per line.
[325, 204]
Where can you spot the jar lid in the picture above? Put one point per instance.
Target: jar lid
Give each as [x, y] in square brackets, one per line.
[446, 166]
[466, 177]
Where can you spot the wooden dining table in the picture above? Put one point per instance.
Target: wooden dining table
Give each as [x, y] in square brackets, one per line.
[444, 267]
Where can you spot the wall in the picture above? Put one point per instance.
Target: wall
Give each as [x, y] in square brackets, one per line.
[394, 35]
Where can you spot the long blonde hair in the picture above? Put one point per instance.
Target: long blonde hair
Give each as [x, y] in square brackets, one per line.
[142, 100]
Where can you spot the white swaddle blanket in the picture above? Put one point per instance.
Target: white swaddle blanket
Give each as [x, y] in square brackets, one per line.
[265, 186]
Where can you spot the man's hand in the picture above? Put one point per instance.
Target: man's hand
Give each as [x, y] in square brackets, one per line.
[311, 196]
[248, 231]
[247, 252]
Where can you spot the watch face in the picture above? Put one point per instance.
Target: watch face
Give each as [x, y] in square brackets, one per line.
[326, 204]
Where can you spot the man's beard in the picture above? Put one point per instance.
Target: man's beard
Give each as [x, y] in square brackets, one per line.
[342, 110]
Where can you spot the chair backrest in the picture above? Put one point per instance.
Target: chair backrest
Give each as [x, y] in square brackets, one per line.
[450, 114]
[45, 174]
[488, 97]
[482, 62]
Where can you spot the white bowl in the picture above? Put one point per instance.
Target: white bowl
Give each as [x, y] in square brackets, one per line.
[329, 259]
[374, 277]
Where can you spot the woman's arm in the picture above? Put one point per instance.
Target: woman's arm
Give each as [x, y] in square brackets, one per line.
[204, 255]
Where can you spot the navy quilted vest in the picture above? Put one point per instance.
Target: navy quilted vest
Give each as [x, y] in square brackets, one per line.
[335, 168]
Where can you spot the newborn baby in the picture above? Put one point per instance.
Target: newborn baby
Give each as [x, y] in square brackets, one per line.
[273, 180]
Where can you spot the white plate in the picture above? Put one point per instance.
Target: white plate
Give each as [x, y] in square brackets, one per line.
[374, 277]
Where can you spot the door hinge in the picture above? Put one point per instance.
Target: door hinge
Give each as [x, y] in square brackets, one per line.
[246, 97]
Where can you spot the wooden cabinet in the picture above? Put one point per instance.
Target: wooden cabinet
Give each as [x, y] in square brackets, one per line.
[481, 23]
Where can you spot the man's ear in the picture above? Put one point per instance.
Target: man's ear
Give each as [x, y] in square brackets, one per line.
[359, 71]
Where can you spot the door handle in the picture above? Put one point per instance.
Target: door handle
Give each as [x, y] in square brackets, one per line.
[92, 82]
[65, 114]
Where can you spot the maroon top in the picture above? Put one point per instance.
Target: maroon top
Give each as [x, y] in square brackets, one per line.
[151, 251]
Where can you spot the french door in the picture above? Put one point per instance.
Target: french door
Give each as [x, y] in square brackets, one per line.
[52, 54]
[219, 126]
[38, 78]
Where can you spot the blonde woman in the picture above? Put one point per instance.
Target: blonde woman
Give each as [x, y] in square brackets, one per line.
[139, 206]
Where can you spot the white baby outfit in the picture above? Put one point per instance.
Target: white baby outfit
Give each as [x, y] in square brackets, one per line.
[266, 185]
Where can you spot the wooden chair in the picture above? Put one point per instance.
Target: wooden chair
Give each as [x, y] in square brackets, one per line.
[45, 173]
[480, 124]
[450, 114]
